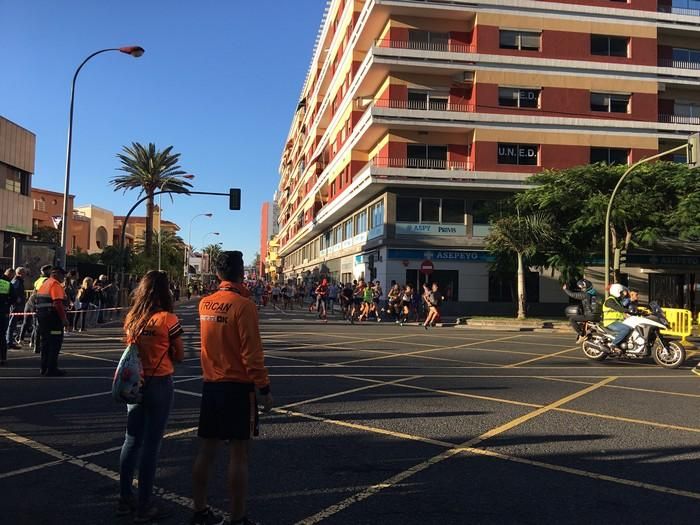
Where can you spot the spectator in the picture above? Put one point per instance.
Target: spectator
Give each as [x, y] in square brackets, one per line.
[156, 330]
[13, 341]
[85, 299]
[233, 366]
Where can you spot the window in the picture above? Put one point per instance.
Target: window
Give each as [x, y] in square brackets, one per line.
[430, 210]
[518, 97]
[426, 156]
[613, 46]
[39, 205]
[427, 100]
[686, 109]
[609, 155]
[348, 229]
[520, 40]
[686, 55]
[453, 211]
[407, 209]
[610, 103]
[337, 235]
[377, 214]
[428, 40]
[361, 222]
[521, 154]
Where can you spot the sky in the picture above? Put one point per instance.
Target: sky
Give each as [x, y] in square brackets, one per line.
[219, 81]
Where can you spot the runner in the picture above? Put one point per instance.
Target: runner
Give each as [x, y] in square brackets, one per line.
[332, 296]
[394, 301]
[158, 335]
[321, 292]
[367, 302]
[406, 303]
[346, 301]
[276, 294]
[377, 299]
[233, 366]
[433, 300]
[357, 296]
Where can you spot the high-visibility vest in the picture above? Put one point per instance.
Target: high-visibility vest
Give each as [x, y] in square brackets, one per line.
[37, 284]
[4, 287]
[610, 315]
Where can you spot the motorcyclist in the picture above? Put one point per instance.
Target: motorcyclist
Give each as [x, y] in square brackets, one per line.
[614, 313]
[590, 305]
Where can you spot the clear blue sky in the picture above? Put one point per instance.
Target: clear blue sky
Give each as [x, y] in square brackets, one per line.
[219, 81]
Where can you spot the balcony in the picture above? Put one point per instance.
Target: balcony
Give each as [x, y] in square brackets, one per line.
[681, 8]
[441, 104]
[679, 119]
[679, 64]
[421, 163]
[419, 45]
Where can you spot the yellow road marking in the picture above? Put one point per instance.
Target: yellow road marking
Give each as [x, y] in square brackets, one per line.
[587, 474]
[541, 357]
[401, 476]
[628, 420]
[622, 387]
[409, 354]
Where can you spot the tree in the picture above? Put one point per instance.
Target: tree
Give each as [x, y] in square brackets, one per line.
[213, 251]
[172, 249]
[522, 236]
[150, 170]
[47, 234]
[656, 200]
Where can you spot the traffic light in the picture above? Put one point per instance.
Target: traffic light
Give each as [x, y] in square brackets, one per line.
[694, 150]
[234, 199]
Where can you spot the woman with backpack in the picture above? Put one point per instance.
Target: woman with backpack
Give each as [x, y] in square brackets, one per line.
[156, 331]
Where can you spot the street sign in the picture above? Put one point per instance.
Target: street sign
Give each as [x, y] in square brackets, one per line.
[427, 267]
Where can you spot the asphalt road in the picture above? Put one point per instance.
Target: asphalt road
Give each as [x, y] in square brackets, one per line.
[376, 424]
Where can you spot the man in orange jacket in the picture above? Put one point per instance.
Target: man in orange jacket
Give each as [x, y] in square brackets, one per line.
[232, 366]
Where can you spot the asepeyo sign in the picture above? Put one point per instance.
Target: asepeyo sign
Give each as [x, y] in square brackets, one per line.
[454, 230]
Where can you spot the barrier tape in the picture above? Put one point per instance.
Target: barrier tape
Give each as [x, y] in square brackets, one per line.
[30, 314]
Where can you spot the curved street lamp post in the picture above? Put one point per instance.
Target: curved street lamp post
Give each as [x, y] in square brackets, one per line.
[134, 51]
[189, 244]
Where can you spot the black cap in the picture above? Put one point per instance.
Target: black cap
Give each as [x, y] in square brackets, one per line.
[58, 269]
[46, 269]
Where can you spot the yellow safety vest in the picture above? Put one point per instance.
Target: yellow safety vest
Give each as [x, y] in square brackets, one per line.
[39, 282]
[609, 315]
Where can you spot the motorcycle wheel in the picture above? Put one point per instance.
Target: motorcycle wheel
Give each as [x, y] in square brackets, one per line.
[671, 356]
[591, 352]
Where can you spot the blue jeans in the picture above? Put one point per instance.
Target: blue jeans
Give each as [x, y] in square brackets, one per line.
[144, 431]
[621, 329]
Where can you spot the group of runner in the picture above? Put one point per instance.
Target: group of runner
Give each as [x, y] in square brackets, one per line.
[359, 300]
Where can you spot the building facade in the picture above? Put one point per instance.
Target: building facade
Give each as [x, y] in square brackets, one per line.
[17, 149]
[416, 115]
[101, 227]
[47, 210]
[136, 228]
[269, 215]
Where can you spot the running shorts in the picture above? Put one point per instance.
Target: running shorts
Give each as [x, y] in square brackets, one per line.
[228, 411]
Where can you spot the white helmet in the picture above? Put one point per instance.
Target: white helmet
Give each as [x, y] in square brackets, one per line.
[616, 290]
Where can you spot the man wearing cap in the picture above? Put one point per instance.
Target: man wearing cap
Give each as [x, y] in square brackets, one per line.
[51, 315]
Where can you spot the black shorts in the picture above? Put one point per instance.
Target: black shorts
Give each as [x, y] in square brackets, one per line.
[357, 301]
[228, 411]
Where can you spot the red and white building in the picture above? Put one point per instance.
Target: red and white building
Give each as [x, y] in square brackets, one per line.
[415, 114]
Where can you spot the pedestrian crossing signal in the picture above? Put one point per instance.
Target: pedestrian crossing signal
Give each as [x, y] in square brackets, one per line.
[234, 199]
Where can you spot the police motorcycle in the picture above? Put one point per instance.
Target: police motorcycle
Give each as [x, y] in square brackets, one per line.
[644, 340]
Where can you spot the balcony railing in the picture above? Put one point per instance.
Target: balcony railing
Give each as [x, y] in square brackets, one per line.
[678, 10]
[680, 64]
[679, 119]
[421, 163]
[419, 45]
[424, 105]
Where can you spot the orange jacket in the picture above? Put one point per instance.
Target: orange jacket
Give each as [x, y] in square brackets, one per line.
[231, 345]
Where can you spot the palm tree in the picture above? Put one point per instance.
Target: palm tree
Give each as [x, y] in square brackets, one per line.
[523, 236]
[213, 250]
[150, 170]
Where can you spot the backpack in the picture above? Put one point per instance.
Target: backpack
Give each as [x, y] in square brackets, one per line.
[128, 377]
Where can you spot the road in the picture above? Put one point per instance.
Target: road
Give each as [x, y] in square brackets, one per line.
[376, 424]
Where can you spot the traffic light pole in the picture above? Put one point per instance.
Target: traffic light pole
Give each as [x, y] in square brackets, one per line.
[612, 197]
[234, 196]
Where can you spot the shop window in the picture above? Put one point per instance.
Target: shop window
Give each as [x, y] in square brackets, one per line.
[453, 211]
[430, 210]
[407, 209]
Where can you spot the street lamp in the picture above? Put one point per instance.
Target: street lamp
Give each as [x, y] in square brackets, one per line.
[189, 243]
[189, 176]
[134, 51]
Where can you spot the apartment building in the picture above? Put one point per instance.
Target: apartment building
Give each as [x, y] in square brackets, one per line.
[17, 147]
[47, 211]
[136, 227]
[416, 115]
